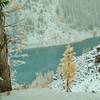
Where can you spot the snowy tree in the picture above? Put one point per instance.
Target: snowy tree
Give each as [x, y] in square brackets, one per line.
[12, 37]
[16, 31]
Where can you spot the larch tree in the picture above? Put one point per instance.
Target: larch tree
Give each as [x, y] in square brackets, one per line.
[67, 68]
[5, 83]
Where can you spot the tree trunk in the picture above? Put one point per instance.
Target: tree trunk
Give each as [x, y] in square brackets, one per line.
[5, 84]
[68, 87]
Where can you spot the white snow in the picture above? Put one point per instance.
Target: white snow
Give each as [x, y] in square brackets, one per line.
[45, 27]
[87, 77]
[47, 94]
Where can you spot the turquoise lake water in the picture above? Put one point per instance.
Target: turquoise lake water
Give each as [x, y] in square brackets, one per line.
[47, 58]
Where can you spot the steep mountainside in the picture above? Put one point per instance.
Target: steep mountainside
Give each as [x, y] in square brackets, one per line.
[53, 22]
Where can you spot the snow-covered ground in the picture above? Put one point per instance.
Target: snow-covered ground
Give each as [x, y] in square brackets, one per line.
[47, 94]
[87, 77]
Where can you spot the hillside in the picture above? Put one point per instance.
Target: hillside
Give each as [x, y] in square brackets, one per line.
[42, 23]
[87, 74]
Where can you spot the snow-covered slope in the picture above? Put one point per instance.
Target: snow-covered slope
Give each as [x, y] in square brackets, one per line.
[44, 23]
[87, 74]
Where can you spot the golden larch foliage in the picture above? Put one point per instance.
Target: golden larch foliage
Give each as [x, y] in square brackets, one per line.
[68, 68]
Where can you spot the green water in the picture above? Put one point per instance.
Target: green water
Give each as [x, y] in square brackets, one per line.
[45, 59]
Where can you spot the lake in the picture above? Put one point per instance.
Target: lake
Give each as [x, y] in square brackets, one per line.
[47, 58]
